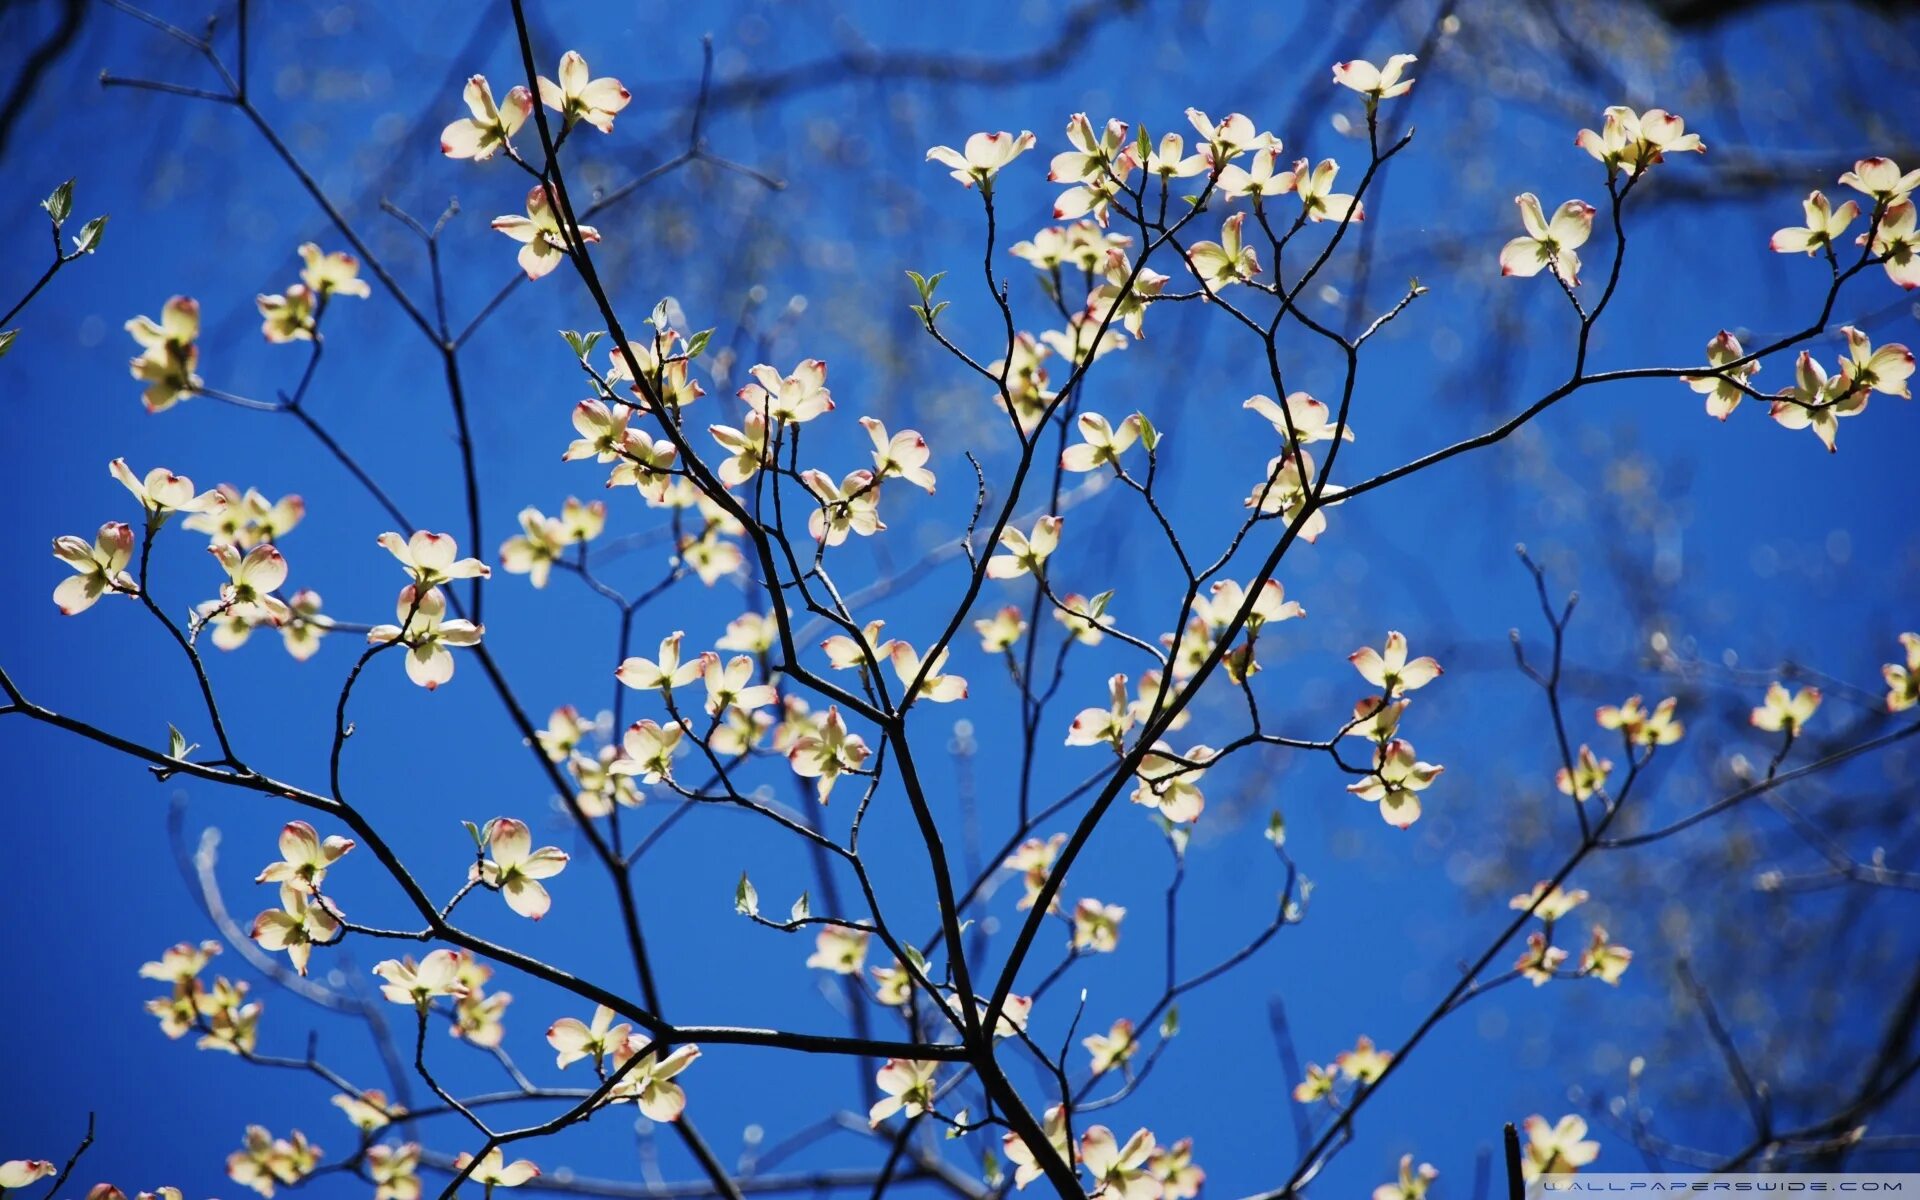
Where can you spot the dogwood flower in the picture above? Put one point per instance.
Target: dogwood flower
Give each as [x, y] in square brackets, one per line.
[1101, 443]
[603, 432]
[99, 569]
[1304, 420]
[1589, 775]
[1026, 1168]
[1895, 242]
[579, 97]
[1119, 1172]
[1225, 262]
[851, 506]
[791, 399]
[936, 687]
[305, 625]
[1231, 138]
[906, 1087]
[747, 449]
[840, 949]
[1538, 962]
[1285, 489]
[1113, 1048]
[1257, 180]
[1376, 83]
[1635, 141]
[162, 493]
[1092, 726]
[1394, 782]
[1025, 554]
[985, 154]
[1170, 160]
[845, 652]
[668, 672]
[1881, 180]
[408, 982]
[297, 926]
[1097, 166]
[902, 455]
[1547, 243]
[481, 135]
[892, 985]
[368, 1111]
[824, 755]
[999, 632]
[1363, 1064]
[1171, 784]
[1317, 197]
[1603, 959]
[753, 632]
[1885, 370]
[431, 558]
[286, 316]
[1390, 671]
[647, 750]
[515, 868]
[395, 1171]
[649, 1082]
[1034, 859]
[494, 1171]
[251, 579]
[1640, 727]
[1548, 901]
[1817, 401]
[168, 355]
[1825, 224]
[543, 241]
[479, 1016]
[1786, 712]
[1412, 1184]
[426, 633]
[304, 858]
[1173, 1166]
[730, 686]
[573, 1039]
[1723, 391]
[1083, 625]
[1318, 1085]
[20, 1172]
[1096, 926]
[264, 1161]
[542, 541]
[1903, 680]
[1556, 1148]
[335, 274]
[1124, 297]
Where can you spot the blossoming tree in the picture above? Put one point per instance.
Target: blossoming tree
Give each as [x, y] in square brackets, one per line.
[979, 1071]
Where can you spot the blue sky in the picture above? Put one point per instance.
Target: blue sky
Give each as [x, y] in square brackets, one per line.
[1743, 540]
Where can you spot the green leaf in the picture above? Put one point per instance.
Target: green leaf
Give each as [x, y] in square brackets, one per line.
[1277, 828]
[918, 959]
[6, 340]
[59, 205]
[1145, 145]
[473, 831]
[90, 234]
[1149, 436]
[955, 1130]
[746, 900]
[1097, 607]
[934, 313]
[697, 344]
[176, 743]
[919, 284]
[580, 343]
[1170, 1024]
[801, 909]
[990, 1167]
